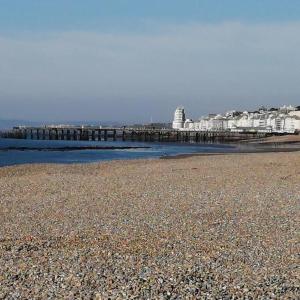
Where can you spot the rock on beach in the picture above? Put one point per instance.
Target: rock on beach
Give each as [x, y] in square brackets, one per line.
[207, 227]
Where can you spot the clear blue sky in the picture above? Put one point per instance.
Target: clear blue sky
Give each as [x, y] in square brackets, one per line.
[136, 59]
[49, 15]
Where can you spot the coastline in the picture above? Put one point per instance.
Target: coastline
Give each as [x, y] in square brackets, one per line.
[258, 149]
[273, 144]
[278, 140]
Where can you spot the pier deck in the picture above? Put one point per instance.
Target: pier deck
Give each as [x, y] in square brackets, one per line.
[96, 133]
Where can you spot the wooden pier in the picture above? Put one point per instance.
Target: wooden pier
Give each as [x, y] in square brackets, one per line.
[94, 133]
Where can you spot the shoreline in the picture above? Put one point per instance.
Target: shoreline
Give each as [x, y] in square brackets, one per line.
[254, 149]
[270, 149]
[273, 145]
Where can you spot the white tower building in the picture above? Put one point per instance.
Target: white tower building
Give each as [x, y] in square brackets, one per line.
[179, 118]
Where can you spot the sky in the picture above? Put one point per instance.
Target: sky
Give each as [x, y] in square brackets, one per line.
[137, 60]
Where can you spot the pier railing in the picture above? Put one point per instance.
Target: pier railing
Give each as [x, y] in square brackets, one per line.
[94, 133]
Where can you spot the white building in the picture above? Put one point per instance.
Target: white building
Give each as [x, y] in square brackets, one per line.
[285, 119]
[179, 118]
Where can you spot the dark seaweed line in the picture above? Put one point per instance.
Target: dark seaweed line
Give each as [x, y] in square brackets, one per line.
[70, 148]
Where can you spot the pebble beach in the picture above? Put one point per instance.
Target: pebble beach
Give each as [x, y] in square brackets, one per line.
[206, 227]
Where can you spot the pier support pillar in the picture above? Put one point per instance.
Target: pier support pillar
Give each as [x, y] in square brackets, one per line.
[93, 135]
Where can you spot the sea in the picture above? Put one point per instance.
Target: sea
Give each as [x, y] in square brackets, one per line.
[17, 151]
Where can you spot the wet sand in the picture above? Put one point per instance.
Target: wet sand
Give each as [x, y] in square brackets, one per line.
[279, 140]
[201, 227]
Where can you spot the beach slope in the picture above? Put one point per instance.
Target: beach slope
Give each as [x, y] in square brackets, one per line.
[199, 227]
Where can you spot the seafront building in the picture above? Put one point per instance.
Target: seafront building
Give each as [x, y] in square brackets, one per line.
[285, 119]
[179, 118]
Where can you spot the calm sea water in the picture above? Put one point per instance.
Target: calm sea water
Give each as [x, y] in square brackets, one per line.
[13, 157]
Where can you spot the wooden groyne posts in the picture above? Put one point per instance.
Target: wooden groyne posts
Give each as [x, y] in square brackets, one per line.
[93, 133]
